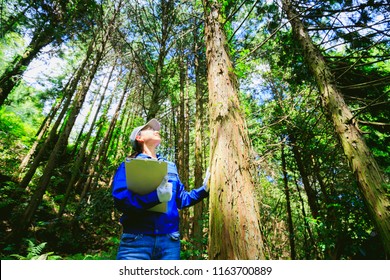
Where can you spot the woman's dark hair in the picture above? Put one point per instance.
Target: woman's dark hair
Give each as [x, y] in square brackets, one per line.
[137, 149]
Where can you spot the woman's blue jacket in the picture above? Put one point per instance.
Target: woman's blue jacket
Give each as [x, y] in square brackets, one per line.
[134, 207]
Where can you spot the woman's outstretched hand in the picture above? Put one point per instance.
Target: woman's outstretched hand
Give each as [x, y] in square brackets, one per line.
[206, 179]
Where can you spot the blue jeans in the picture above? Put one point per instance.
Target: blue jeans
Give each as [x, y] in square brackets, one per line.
[149, 247]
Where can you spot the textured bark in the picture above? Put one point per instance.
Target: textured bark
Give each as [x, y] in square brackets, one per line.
[370, 178]
[234, 230]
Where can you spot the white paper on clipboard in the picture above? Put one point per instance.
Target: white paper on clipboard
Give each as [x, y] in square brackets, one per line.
[144, 176]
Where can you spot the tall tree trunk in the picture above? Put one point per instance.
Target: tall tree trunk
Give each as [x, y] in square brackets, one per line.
[94, 169]
[370, 178]
[197, 226]
[111, 128]
[87, 169]
[13, 74]
[181, 153]
[234, 230]
[128, 116]
[187, 122]
[121, 137]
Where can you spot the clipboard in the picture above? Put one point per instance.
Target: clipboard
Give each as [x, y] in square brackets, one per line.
[144, 176]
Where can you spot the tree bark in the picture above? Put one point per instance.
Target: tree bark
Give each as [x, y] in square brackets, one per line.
[370, 178]
[234, 229]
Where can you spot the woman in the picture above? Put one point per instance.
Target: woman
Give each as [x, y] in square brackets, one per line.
[148, 234]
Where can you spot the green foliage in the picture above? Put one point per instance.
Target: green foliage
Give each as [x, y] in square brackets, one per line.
[192, 252]
[95, 257]
[35, 252]
[15, 138]
[108, 254]
[10, 45]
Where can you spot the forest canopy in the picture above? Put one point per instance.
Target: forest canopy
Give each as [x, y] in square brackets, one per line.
[286, 101]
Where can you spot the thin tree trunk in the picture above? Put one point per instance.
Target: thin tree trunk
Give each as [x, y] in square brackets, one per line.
[75, 149]
[288, 206]
[310, 192]
[234, 229]
[129, 116]
[197, 226]
[181, 153]
[187, 122]
[119, 146]
[308, 247]
[113, 123]
[370, 178]
[100, 160]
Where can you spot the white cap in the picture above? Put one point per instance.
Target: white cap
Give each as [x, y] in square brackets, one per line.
[153, 123]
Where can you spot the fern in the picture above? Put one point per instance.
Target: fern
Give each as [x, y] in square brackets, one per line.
[34, 252]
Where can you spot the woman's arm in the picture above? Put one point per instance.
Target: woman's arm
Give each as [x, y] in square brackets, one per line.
[188, 198]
